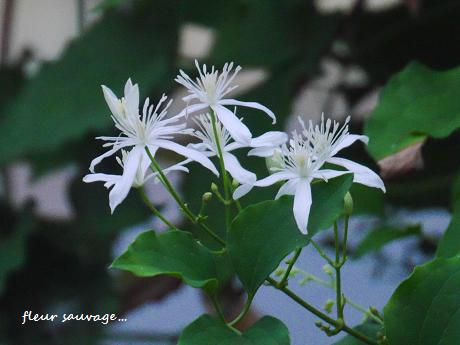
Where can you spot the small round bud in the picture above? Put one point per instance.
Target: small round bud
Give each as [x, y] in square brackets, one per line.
[328, 269]
[214, 188]
[329, 305]
[207, 197]
[348, 204]
[235, 183]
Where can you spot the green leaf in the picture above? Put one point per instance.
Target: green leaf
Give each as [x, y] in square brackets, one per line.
[425, 308]
[417, 102]
[207, 331]
[368, 328]
[13, 249]
[174, 253]
[65, 101]
[264, 233]
[380, 237]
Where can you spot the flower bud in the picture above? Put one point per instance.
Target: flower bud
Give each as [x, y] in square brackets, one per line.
[328, 269]
[348, 204]
[214, 188]
[206, 198]
[235, 184]
[329, 305]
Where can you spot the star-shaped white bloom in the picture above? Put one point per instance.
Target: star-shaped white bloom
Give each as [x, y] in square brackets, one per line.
[208, 146]
[209, 91]
[329, 138]
[297, 165]
[141, 175]
[150, 129]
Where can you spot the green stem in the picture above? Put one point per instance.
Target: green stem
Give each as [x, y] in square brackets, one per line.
[228, 215]
[154, 210]
[291, 264]
[364, 311]
[247, 307]
[320, 314]
[337, 266]
[321, 252]
[194, 219]
[345, 239]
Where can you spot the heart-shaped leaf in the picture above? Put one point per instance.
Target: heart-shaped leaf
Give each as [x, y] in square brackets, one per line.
[174, 253]
[416, 103]
[425, 308]
[264, 233]
[208, 331]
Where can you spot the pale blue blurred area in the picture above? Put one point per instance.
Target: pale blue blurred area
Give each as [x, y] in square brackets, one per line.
[368, 281]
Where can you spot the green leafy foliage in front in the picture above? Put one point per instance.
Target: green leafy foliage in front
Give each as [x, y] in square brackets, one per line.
[417, 103]
[208, 331]
[263, 234]
[425, 308]
[175, 253]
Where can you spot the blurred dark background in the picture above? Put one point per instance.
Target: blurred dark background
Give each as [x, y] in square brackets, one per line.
[299, 58]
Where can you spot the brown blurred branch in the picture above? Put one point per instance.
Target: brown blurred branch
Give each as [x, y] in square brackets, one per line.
[6, 30]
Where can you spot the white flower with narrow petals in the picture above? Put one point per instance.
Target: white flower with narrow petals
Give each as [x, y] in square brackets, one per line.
[151, 129]
[208, 145]
[209, 91]
[329, 138]
[298, 167]
[141, 176]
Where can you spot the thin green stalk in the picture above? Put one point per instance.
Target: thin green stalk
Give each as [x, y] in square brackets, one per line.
[345, 239]
[321, 252]
[364, 311]
[154, 210]
[320, 314]
[247, 307]
[292, 262]
[338, 279]
[194, 219]
[228, 215]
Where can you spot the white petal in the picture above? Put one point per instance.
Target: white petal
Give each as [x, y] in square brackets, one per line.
[270, 139]
[191, 109]
[132, 98]
[242, 190]
[109, 153]
[288, 188]
[124, 184]
[235, 127]
[362, 174]
[189, 153]
[235, 169]
[100, 178]
[262, 151]
[327, 174]
[112, 101]
[347, 141]
[276, 177]
[250, 105]
[302, 204]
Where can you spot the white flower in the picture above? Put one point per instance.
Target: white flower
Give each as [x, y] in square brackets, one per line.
[141, 175]
[150, 129]
[329, 138]
[298, 166]
[210, 89]
[208, 146]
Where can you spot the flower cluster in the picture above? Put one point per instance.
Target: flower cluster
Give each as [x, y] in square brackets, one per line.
[219, 131]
